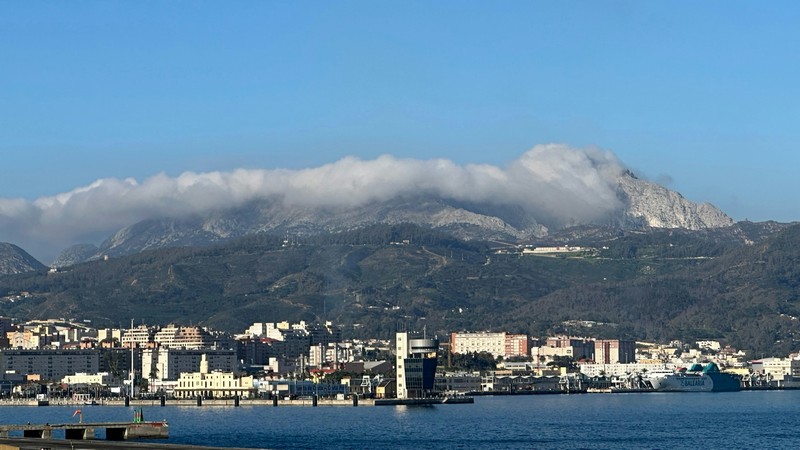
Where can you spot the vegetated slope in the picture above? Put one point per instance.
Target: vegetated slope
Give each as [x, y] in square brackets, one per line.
[749, 296]
[256, 278]
[646, 285]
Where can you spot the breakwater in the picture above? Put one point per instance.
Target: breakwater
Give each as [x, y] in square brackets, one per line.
[60, 444]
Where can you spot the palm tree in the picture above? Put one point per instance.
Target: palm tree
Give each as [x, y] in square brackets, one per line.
[114, 364]
[153, 374]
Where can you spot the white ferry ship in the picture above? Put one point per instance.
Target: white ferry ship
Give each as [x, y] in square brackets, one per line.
[695, 379]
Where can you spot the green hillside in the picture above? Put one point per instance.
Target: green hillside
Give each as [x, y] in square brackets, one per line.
[658, 285]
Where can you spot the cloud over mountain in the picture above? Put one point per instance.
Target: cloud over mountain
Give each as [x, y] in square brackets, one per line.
[556, 184]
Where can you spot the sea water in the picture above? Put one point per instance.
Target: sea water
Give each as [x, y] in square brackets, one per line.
[762, 419]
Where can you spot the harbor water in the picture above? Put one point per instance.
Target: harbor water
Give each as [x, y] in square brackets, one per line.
[757, 419]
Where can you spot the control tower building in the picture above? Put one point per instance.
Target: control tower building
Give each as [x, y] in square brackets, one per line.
[416, 365]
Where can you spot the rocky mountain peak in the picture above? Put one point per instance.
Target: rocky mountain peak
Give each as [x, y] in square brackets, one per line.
[15, 260]
[652, 205]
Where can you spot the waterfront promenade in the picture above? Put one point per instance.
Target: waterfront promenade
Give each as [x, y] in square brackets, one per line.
[190, 402]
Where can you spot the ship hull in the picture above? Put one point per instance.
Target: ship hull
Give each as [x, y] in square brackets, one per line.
[708, 382]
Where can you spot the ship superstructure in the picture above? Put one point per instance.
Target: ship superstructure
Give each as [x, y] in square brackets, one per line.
[697, 378]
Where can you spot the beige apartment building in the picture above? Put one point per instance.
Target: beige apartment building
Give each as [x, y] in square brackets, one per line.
[183, 337]
[498, 344]
[141, 336]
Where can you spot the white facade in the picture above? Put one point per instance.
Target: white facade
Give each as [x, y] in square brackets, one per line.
[140, 336]
[415, 364]
[711, 345]
[102, 378]
[214, 384]
[265, 329]
[621, 370]
[170, 363]
[109, 334]
[401, 352]
[183, 337]
[545, 250]
[774, 367]
[464, 343]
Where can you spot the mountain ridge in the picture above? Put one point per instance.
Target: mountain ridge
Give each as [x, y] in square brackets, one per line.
[644, 205]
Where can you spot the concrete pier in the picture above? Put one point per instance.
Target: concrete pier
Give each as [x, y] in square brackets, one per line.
[115, 431]
[251, 402]
[61, 444]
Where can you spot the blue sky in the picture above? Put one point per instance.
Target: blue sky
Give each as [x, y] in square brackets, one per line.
[701, 96]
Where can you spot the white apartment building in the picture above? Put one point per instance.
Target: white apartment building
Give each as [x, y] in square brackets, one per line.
[463, 343]
[776, 368]
[265, 329]
[140, 336]
[169, 363]
[109, 334]
[102, 378]
[333, 353]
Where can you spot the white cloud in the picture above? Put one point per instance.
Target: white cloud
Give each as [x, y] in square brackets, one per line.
[555, 183]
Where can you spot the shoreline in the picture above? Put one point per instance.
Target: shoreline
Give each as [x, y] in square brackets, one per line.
[190, 403]
[230, 402]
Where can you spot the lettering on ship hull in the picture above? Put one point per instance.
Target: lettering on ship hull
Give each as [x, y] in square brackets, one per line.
[692, 382]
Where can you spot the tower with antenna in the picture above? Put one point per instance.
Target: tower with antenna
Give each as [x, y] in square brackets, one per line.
[416, 359]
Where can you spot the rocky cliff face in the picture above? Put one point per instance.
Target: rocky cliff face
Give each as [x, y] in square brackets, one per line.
[645, 205]
[651, 205]
[15, 260]
[75, 254]
[274, 217]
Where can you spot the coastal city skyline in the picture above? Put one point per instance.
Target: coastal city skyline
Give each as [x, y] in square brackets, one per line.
[429, 218]
[276, 361]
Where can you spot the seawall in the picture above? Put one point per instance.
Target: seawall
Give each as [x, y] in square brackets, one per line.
[193, 402]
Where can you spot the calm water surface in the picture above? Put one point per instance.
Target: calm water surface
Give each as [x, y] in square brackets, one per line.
[587, 421]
